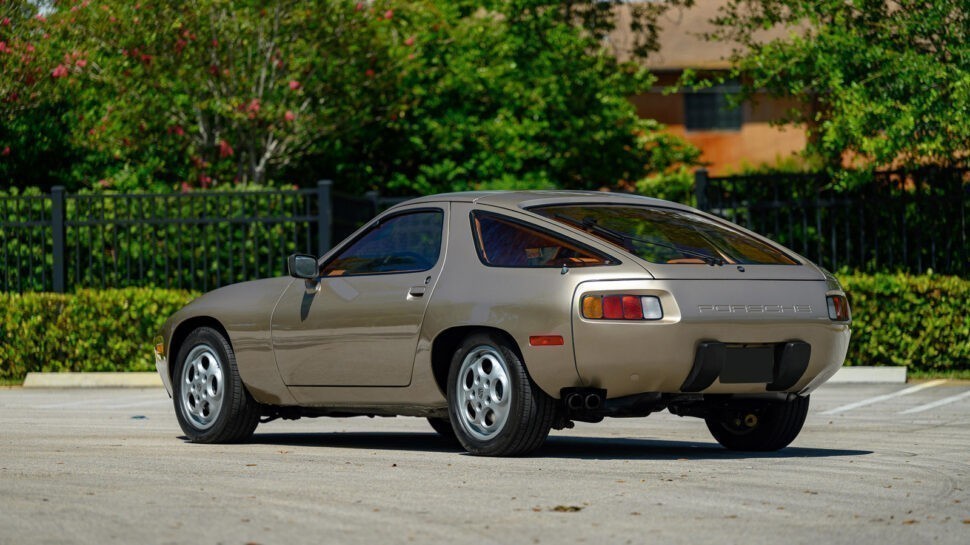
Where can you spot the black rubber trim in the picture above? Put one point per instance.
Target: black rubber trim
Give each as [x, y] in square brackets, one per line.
[708, 363]
[791, 361]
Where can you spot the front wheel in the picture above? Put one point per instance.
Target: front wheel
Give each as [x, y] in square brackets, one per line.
[211, 403]
[497, 408]
[768, 428]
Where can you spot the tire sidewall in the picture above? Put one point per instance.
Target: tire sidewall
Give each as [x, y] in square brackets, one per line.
[231, 383]
[518, 412]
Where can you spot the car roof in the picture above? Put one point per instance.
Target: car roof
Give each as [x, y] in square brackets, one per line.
[527, 199]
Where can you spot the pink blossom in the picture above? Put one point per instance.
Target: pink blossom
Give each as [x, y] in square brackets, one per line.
[359, 6]
[388, 14]
[253, 108]
[41, 18]
[409, 42]
[6, 151]
[225, 150]
[186, 187]
[81, 63]
[59, 72]
[104, 184]
[289, 115]
[294, 85]
[30, 48]
[5, 21]
[4, 48]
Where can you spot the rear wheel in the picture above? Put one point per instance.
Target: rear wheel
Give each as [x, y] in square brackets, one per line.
[211, 403]
[767, 428]
[497, 408]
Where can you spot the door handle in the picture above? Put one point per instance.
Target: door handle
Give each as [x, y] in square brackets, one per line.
[417, 291]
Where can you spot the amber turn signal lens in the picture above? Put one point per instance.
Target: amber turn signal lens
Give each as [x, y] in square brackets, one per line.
[592, 307]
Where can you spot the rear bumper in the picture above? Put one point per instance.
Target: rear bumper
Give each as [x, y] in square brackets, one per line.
[718, 337]
[779, 366]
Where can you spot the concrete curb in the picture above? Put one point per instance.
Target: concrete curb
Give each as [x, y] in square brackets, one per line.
[845, 375]
[872, 375]
[93, 380]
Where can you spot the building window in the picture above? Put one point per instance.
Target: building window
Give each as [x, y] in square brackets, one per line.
[710, 109]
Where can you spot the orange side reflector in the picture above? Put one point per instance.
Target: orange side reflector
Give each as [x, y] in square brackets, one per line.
[593, 307]
[546, 340]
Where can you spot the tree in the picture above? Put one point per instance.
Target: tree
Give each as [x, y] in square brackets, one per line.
[515, 95]
[883, 83]
[422, 96]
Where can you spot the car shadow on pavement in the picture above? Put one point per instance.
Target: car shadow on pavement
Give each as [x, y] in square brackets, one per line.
[424, 442]
[622, 448]
[590, 448]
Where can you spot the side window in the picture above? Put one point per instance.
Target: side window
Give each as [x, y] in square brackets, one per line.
[504, 242]
[410, 242]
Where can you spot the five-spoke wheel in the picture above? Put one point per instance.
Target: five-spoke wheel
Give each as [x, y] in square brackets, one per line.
[499, 411]
[211, 403]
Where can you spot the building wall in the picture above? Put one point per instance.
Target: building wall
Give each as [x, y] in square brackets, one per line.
[727, 151]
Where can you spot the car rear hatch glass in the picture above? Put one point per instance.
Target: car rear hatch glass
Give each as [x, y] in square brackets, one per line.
[676, 243]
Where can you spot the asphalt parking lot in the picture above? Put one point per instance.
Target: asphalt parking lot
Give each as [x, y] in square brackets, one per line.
[874, 464]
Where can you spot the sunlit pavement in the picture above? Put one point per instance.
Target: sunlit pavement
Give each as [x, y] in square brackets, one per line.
[874, 464]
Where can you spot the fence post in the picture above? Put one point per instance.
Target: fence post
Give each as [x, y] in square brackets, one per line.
[375, 201]
[324, 216]
[700, 188]
[58, 224]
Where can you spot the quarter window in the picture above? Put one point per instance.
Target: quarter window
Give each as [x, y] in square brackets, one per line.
[409, 242]
[504, 242]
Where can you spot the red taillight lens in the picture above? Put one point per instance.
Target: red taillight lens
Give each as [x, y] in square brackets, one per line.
[621, 307]
[632, 309]
[838, 308]
[613, 307]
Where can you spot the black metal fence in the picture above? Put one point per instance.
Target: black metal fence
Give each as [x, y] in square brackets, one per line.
[198, 240]
[910, 221]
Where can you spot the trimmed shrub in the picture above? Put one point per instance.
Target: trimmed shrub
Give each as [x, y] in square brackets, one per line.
[917, 321]
[109, 330]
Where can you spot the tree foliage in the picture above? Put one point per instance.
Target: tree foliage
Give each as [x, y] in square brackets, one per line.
[884, 82]
[413, 96]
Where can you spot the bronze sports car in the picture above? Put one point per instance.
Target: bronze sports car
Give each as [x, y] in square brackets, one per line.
[501, 315]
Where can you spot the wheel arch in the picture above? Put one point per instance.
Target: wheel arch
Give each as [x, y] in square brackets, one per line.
[184, 329]
[445, 343]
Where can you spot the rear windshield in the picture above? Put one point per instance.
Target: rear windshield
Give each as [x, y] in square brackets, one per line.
[663, 235]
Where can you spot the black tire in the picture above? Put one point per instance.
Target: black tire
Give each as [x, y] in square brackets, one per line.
[773, 427]
[521, 413]
[442, 426]
[211, 403]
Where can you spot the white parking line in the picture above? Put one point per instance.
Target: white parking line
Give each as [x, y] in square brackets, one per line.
[935, 404]
[877, 399]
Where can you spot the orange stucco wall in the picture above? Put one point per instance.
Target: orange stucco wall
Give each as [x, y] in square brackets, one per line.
[727, 151]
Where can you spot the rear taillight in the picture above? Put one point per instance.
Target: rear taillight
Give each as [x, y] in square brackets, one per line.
[622, 307]
[838, 308]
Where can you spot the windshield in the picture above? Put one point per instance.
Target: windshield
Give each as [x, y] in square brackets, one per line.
[664, 235]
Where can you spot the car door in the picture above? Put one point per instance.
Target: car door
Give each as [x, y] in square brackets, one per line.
[358, 323]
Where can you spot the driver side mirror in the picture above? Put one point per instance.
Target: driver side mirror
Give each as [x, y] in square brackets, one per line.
[302, 266]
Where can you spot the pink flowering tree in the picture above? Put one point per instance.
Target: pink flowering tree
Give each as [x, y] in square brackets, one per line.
[216, 91]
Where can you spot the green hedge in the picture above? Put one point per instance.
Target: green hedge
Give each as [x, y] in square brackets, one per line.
[109, 330]
[917, 321]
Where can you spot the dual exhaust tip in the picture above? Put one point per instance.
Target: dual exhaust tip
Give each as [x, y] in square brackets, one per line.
[584, 401]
